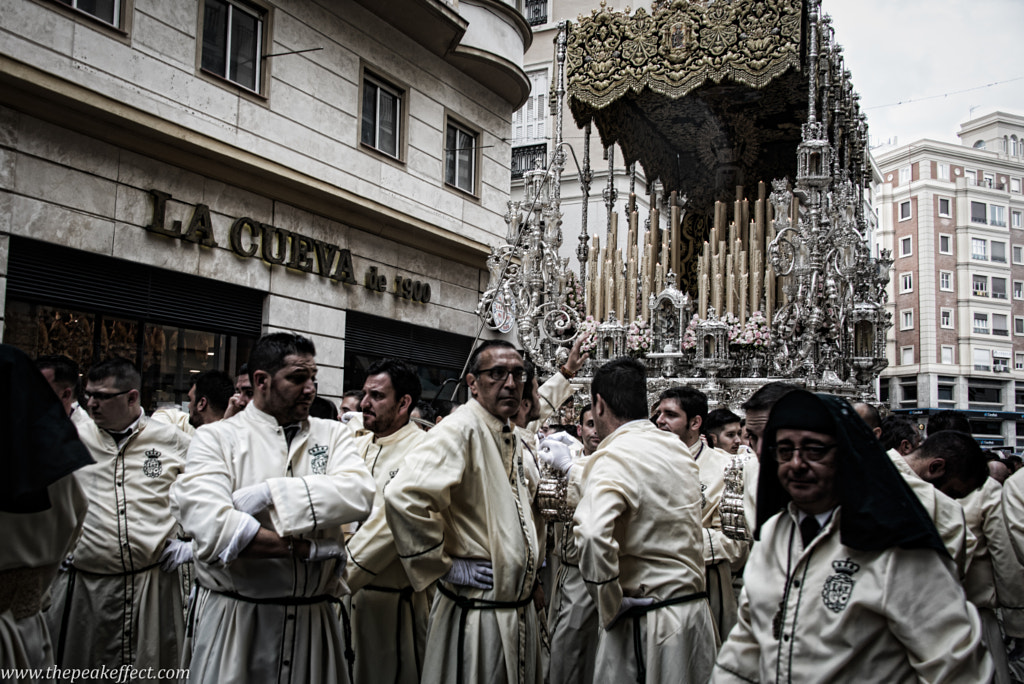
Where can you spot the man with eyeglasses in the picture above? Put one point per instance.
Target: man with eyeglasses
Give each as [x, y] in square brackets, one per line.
[264, 497]
[901, 438]
[461, 513]
[120, 603]
[849, 579]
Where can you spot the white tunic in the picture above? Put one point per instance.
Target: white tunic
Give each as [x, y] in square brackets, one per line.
[317, 484]
[389, 619]
[1013, 511]
[121, 608]
[638, 529]
[830, 613]
[463, 493]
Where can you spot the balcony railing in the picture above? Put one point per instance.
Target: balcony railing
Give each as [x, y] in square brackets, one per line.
[525, 157]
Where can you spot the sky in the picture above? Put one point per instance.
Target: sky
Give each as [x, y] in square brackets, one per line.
[929, 51]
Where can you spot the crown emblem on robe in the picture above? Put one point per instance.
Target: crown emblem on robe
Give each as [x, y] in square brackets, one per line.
[847, 567]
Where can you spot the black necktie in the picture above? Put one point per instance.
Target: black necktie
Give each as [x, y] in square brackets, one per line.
[809, 529]
[290, 431]
[119, 437]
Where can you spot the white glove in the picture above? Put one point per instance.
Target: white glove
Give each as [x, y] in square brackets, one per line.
[556, 454]
[326, 549]
[471, 572]
[252, 499]
[627, 603]
[176, 553]
[349, 415]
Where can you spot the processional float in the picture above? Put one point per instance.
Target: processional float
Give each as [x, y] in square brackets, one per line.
[714, 289]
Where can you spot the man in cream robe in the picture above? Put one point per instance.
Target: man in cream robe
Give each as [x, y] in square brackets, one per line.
[849, 582]
[120, 602]
[460, 511]
[638, 529]
[994, 578]
[264, 496]
[572, 618]
[1013, 511]
[389, 619]
[682, 411]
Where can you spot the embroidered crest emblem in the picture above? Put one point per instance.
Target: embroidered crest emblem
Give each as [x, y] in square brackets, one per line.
[703, 498]
[838, 588]
[318, 459]
[152, 466]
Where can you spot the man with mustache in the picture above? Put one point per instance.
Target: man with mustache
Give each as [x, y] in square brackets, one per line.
[389, 619]
[264, 496]
[461, 513]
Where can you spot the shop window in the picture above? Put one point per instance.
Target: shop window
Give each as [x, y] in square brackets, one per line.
[947, 392]
[168, 356]
[908, 392]
[460, 157]
[233, 42]
[381, 123]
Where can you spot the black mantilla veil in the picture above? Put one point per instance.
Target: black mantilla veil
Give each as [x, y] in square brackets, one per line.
[38, 442]
[879, 509]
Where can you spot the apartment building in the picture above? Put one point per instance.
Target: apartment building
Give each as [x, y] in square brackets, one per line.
[953, 216]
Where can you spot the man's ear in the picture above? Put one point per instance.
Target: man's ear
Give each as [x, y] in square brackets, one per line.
[201, 404]
[905, 447]
[696, 422]
[134, 397]
[471, 383]
[67, 394]
[404, 403]
[936, 469]
[260, 378]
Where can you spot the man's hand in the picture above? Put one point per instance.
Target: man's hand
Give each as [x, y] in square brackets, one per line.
[471, 572]
[175, 554]
[555, 452]
[349, 415]
[627, 603]
[252, 499]
[235, 405]
[576, 360]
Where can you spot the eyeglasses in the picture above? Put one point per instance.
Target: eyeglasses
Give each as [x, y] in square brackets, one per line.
[811, 453]
[501, 373]
[102, 396]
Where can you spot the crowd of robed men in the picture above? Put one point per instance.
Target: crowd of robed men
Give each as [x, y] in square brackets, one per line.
[246, 541]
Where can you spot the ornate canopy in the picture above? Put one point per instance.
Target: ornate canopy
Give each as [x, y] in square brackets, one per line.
[705, 95]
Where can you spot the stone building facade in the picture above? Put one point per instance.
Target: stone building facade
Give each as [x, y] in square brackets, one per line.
[177, 178]
[953, 215]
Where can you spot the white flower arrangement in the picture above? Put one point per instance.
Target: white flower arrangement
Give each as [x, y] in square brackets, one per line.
[638, 338]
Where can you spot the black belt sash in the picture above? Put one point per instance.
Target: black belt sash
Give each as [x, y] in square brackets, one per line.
[638, 611]
[350, 654]
[466, 604]
[404, 597]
